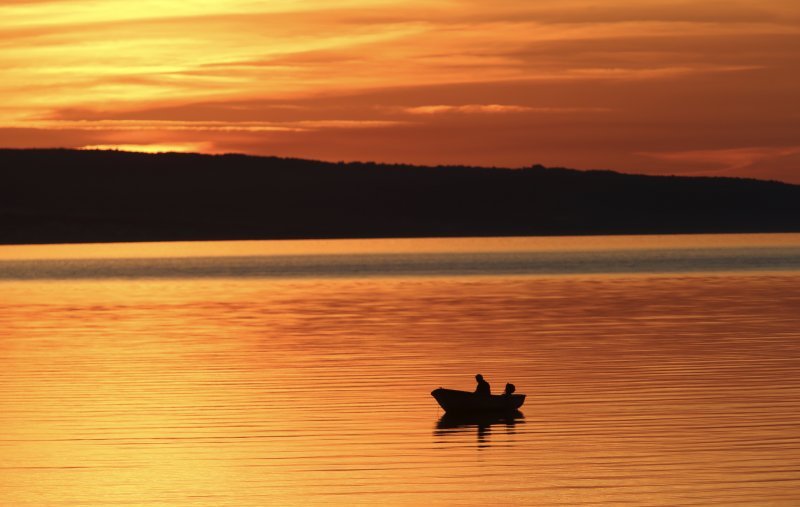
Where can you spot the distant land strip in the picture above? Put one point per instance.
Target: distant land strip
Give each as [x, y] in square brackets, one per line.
[72, 196]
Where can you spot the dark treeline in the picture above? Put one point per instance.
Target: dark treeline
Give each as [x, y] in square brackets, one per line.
[62, 196]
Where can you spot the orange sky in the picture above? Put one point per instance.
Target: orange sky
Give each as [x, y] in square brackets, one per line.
[661, 87]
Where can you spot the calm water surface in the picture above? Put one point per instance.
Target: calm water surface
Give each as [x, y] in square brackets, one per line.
[658, 372]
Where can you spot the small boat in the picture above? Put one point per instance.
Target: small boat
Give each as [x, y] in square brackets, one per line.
[462, 401]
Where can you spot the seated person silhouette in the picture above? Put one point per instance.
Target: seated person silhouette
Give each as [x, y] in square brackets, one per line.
[483, 388]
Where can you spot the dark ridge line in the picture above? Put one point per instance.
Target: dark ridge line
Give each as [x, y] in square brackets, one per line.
[60, 195]
[392, 165]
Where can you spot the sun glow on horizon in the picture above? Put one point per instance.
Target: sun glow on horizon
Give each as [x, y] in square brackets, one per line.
[154, 148]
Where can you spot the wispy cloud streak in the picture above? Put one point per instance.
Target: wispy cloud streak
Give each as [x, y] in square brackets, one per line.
[727, 159]
[498, 109]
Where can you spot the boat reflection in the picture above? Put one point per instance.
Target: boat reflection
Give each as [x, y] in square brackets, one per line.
[451, 424]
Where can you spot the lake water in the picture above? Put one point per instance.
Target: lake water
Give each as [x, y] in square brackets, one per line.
[660, 370]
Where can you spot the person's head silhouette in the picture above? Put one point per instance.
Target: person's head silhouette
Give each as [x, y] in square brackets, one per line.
[479, 377]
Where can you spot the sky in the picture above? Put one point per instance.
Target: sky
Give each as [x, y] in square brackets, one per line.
[692, 87]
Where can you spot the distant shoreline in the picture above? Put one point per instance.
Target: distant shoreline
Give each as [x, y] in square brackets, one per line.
[343, 238]
[77, 197]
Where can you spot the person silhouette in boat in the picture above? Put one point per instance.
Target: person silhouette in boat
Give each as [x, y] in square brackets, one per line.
[483, 388]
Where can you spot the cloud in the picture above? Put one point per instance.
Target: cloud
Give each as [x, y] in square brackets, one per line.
[729, 159]
[497, 108]
[86, 53]
[467, 108]
[203, 126]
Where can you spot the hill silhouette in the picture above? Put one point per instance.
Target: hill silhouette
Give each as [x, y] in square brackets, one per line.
[64, 196]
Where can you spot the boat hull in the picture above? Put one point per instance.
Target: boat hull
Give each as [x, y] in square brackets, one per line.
[462, 401]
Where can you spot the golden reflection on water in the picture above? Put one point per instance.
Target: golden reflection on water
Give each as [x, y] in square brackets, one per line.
[656, 390]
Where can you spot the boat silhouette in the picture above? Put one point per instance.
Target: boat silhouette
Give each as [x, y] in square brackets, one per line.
[453, 401]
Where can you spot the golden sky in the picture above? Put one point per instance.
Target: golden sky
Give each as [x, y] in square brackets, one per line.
[660, 87]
